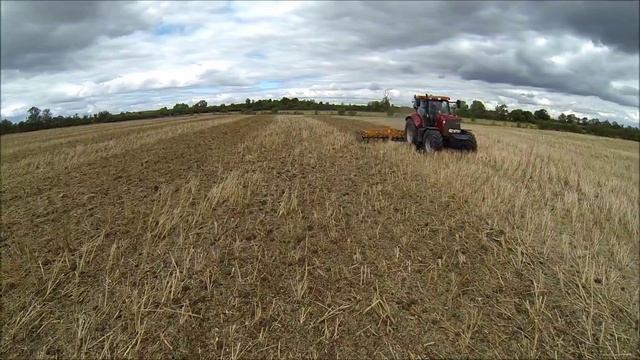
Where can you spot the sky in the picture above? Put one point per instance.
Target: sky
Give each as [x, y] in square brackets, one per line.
[85, 57]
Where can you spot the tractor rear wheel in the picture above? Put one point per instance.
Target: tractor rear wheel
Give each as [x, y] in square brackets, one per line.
[410, 132]
[432, 141]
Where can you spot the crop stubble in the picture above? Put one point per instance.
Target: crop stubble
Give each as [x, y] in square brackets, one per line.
[286, 237]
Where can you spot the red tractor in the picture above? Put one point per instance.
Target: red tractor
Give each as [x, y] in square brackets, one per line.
[433, 126]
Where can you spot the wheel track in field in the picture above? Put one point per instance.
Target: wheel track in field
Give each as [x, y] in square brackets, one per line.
[67, 158]
[97, 206]
[325, 209]
[82, 135]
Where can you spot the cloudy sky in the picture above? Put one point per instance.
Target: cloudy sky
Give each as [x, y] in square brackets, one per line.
[75, 57]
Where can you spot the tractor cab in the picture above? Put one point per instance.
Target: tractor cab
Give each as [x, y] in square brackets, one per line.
[430, 108]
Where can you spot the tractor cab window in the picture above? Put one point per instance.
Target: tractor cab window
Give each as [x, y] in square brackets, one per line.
[445, 108]
[439, 107]
[421, 107]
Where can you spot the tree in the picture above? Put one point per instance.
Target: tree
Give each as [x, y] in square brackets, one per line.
[562, 118]
[386, 100]
[517, 115]
[502, 112]
[6, 126]
[34, 115]
[463, 109]
[477, 108]
[572, 119]
[528, 116]
[542, 114]
[180, 109]
[46, 116]
[200, 106]
[104, 116]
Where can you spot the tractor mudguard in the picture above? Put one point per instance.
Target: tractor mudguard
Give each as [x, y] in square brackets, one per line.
[416, 119]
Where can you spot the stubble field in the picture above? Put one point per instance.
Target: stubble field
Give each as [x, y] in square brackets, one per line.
[234, 236]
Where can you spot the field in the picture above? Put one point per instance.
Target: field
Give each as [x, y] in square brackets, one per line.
[246, 236]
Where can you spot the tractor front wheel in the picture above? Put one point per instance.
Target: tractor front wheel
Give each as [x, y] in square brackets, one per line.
[470, 144]
[432, 141]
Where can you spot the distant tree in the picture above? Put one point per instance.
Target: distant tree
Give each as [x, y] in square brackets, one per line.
[104, 116]
[463, 109]
[562, 118]
[528, 116]
[6, 126]
[517, 115]
[542, 114]
[200, 106]
[572, 119]
[385, 104]
[502, 112]
[46, 117]
[477, 109]
[179, 109]
[33, 115]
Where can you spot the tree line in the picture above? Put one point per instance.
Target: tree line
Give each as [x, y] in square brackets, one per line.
[542, 119]
[37, 119]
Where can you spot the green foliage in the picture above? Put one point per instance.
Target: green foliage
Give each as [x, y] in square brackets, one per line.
[502, 112]
[180, 109]
[5, 126]
[200, 106]
[33, 115]
[463, 110]
[542, 114]
[43, 119]
[562, 118]
[477, 109]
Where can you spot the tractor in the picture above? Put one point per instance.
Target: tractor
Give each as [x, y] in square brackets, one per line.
[433, 126]
[430, 128]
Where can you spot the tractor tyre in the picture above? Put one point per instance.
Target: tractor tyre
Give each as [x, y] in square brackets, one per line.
[470, 144]
[410, 132]
[432, 141]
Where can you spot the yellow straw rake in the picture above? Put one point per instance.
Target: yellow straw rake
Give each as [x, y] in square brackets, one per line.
[385, 134]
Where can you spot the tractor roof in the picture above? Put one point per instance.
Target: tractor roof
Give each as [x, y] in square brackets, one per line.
[432, 97]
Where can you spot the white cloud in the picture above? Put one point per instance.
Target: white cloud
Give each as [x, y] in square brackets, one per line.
[350, 52]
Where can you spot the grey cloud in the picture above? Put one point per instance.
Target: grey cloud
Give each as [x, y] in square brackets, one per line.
[347, 51]
[223, 78]
[613, 23]
[40, 35]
